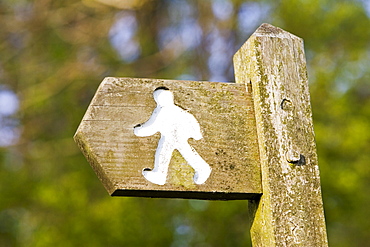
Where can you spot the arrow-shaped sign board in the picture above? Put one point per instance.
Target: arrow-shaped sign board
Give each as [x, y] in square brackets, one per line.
[167, 138]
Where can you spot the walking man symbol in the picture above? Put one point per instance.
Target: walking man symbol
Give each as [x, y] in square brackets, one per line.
[176, 127]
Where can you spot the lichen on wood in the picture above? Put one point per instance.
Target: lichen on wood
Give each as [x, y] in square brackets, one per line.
[290, 210]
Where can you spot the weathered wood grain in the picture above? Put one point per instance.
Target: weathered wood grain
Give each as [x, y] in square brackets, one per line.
[290, 211]
[229, 145]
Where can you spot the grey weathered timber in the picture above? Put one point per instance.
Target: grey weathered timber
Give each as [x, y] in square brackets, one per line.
[229, 144]
[290, 210]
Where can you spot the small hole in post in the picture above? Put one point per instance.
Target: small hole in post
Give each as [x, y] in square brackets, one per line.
[298, 162]
[286, 104]
[302, 160]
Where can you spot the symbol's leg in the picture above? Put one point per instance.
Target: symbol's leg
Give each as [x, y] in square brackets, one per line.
[162, 160]
[202, 169]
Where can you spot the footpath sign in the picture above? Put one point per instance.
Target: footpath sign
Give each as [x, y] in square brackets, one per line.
[140, 147]
[252, 139]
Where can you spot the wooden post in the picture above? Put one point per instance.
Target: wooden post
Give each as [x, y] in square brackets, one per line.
[252, 139]
[290, 210]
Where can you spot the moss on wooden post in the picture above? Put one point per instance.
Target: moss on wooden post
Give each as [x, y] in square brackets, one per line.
[290, 210]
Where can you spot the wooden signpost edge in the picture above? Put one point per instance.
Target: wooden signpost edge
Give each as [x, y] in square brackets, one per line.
[217, 196]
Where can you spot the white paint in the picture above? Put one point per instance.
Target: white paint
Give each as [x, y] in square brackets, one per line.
[176, 127]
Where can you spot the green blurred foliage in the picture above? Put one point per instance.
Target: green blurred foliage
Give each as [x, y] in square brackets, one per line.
[54, 54]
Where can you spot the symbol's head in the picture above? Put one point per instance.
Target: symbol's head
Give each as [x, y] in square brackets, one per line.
[163, 96]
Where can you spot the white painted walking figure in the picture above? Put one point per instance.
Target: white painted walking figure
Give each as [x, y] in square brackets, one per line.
[176, 127]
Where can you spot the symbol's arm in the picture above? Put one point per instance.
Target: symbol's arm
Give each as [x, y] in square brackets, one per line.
[196, 132]
[150, 127]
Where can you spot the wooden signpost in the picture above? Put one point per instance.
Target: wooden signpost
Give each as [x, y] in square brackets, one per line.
[252, 139]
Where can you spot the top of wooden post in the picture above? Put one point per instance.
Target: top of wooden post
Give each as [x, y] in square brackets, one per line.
[290, 211]
[271, 31]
